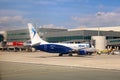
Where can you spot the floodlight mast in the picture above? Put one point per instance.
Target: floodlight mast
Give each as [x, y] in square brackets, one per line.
[99, 15]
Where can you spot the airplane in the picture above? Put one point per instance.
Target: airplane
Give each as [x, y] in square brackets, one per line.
[61, 48]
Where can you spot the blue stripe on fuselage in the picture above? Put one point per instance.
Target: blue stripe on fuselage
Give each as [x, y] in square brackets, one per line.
[53, 48]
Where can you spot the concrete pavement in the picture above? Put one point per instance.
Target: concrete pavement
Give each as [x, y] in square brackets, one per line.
[27, 71]
[95, 61]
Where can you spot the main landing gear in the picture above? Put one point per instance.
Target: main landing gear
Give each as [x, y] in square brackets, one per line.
[70, 54]
[61, 54]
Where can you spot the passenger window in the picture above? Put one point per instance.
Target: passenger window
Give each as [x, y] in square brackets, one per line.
[82, 46]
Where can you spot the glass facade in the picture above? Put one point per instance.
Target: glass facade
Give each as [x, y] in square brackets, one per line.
[67, 38]
[19, 39]
[118, 40]
[112, 37]
[23, 36]
[1, 38]
[17, 34]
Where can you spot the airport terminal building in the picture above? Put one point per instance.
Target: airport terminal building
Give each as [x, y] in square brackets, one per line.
[112, 35]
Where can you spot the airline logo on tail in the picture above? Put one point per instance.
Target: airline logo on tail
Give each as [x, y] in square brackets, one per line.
[35, 38]
[34, 32]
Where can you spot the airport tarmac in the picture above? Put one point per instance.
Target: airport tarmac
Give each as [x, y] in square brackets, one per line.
[94, 61]
[29, 71]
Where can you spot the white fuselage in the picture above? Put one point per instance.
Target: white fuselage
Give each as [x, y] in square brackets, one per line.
[73, 46]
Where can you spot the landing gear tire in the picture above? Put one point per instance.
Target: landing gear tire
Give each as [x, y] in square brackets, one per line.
[89, 53]
[70, 54]
[60, 54]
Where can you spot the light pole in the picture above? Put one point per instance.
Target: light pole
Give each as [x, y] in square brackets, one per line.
[99, 15]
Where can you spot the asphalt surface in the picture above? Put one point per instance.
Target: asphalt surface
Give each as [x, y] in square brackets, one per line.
[94, 61]
[45, 66]
[29, 71]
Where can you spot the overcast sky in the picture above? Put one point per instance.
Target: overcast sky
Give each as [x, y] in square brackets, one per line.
[59, 13]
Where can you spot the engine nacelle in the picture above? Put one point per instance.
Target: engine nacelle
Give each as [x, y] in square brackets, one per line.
[85, 52]
[82, 52]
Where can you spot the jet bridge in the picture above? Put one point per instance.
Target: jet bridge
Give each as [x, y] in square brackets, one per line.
[114, 43]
